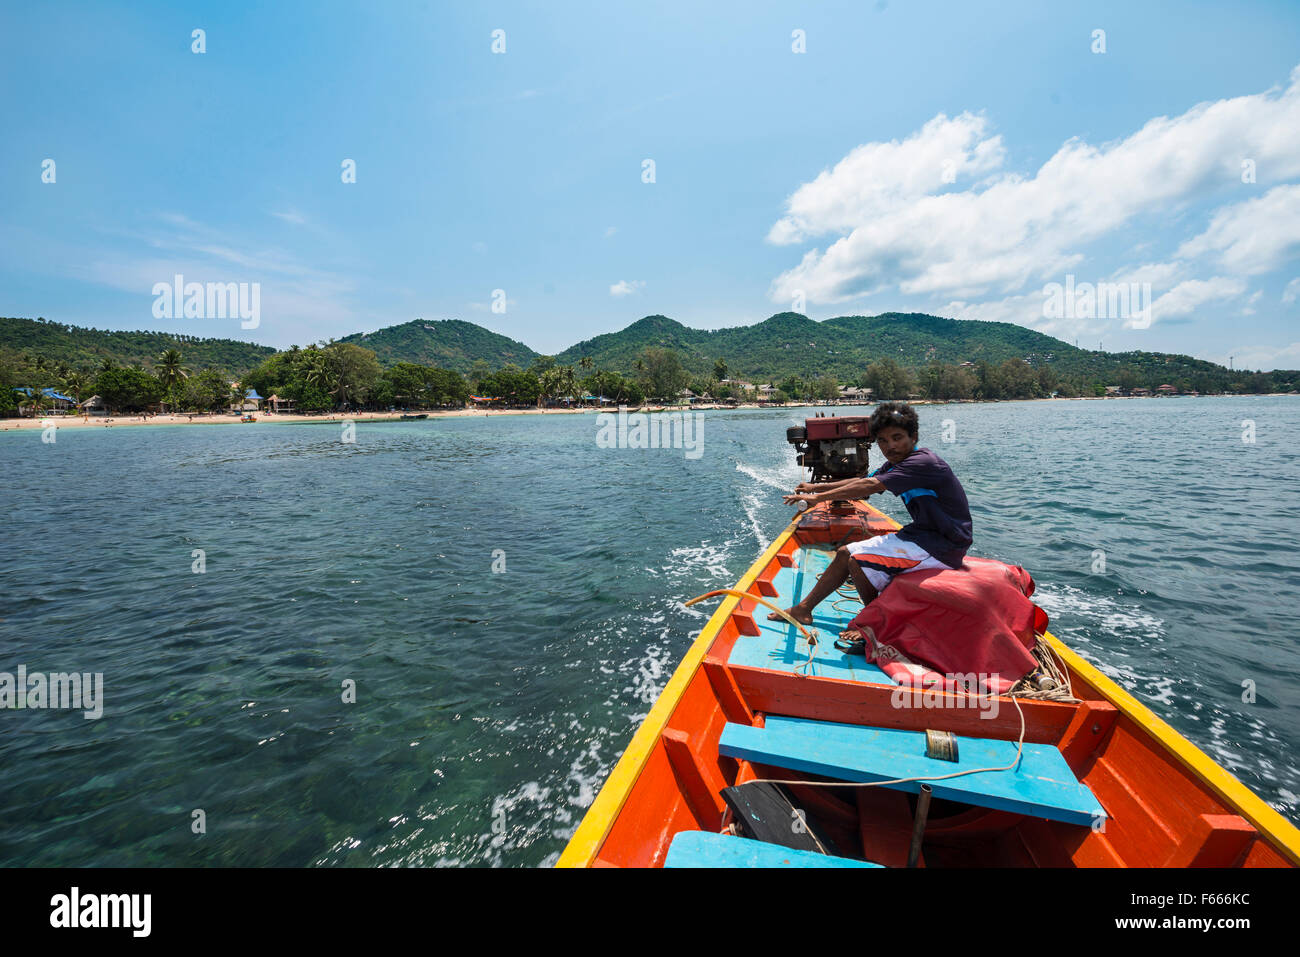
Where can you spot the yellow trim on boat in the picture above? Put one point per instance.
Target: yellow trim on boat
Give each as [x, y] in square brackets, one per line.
[591, 833]
[586, 841]
[1281, 832]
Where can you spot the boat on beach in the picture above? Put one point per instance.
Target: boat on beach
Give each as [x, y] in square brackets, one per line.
[418, 415]
[764, 750]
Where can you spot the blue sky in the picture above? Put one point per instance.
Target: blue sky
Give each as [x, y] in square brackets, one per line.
[919, 156]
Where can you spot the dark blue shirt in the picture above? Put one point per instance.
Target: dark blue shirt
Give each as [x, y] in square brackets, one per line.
[936, 501]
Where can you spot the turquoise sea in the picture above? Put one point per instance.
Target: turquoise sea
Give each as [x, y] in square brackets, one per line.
[490, 704]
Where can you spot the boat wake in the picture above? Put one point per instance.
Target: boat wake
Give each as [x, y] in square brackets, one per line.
[783, 478]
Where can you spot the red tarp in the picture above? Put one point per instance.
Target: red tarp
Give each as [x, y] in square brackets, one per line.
[935, 628]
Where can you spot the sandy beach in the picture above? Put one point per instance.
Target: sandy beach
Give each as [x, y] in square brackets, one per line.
[263, 418]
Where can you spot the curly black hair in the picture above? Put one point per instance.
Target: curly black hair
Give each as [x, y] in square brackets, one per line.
[897, 414]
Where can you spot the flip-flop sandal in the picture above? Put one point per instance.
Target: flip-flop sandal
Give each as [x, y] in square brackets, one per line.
[851, 646]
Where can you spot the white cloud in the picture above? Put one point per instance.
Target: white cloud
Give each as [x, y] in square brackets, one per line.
[290, 216]
[1024, 310]
[1253, 237]
[1185, 297]
[625, 288]
[610, 231]
[1158, 274]
[876, 178]
[1264, 358]
[1292, 292]
[895, 232]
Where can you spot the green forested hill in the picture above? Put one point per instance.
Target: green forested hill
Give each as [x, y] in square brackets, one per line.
[783, 345]
[619, 350]
[792, 344]
[445, 343]
[86, 349]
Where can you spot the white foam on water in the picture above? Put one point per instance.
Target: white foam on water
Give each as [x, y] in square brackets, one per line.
[707, 560]
[516, 820]
[779, 478]
[751, 504]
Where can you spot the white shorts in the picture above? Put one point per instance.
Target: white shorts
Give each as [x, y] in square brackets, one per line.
[884, 556]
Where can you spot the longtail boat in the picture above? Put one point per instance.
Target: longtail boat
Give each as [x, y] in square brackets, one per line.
[1094, 780]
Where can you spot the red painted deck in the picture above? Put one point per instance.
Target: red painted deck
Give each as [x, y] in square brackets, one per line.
[1162, 811]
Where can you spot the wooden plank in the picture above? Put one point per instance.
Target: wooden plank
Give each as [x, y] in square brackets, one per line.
[1220, 840]
[1042, 785]
[1087, 734]
[699, 796]
[852, 702]
[704, 849]
[725, 690]
[765, 812]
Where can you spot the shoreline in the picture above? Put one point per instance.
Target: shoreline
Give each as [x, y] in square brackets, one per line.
[262, 418]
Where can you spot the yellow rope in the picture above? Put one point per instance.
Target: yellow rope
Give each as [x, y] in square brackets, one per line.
[810, 635]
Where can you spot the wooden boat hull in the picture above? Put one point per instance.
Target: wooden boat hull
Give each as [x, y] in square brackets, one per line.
[1166, 802]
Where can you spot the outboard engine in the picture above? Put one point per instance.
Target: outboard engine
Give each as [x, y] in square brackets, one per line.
[835, 447]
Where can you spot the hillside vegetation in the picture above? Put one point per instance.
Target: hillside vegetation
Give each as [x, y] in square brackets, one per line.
[445, 343]
[86, 349]
[439, 362]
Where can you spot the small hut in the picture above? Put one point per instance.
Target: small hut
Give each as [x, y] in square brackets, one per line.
[276, 404]
[93, 406]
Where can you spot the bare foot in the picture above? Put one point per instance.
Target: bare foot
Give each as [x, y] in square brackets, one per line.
[795, 612]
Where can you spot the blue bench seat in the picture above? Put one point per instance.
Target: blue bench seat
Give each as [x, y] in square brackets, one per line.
[705, 849]
[1042, 785]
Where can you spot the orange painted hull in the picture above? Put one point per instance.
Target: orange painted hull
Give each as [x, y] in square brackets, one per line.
[1168, 804]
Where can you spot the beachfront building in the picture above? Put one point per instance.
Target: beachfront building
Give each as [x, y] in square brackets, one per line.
[737, 384]
[54, 400]
[252, 401]
[276, 404]
[93, 406]
[855, 395]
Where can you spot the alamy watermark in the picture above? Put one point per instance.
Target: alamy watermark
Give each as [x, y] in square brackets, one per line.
[936, 695]
[662, 430]
[128, 911]
[212, 300]
[1105, 300]
[62, 690]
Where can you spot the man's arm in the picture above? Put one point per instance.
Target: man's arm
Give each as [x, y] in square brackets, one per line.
[821, 486]
[852, 488]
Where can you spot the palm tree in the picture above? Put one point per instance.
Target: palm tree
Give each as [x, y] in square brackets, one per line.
[77, 383]
[35, 400]
[170, 371]
[586, 362]
[315, 367]
[558, 382]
